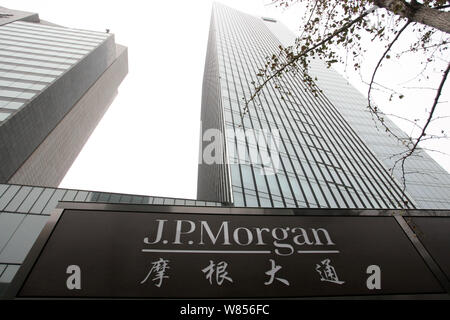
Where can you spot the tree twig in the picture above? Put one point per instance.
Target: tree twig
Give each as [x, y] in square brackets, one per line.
[296, 57]
[433, 108]
[373, 110]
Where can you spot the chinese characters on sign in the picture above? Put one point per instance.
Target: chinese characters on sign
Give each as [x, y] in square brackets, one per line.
[159, 270]
[272, 273]
[220, 270]
[325, 269]
[327, 272]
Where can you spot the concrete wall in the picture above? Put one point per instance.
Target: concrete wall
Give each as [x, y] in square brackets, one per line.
[64, 143]
[22, 134]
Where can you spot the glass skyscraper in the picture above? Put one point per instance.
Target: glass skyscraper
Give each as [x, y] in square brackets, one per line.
[327, 151]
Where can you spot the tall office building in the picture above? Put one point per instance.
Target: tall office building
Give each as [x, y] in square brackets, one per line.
[327, 151]
[55, 85]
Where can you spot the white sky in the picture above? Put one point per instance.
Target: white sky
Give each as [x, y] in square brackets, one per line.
[147, 142]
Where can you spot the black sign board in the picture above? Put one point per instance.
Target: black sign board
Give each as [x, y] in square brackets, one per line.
[434, 233]
[126, 254]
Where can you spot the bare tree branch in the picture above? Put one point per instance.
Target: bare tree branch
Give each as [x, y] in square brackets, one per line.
[410, 152]
[418, 12]
[296, 57]
[374, 110]
[424, 47]
[310, 16]
[433, 108]
[427, 18]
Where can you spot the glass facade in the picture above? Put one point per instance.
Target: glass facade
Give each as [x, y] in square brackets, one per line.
[322, 160]
[33, 56]
[427, 183]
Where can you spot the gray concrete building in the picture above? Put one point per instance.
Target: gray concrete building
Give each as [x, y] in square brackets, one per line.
[55, 85]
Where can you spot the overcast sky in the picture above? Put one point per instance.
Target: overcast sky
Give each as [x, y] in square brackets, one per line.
[147, 142]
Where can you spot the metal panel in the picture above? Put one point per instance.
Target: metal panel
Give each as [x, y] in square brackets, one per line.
[23, 239]
[3, 188]
[42, 201]
[81, 196]
[18, 199]
[57, 196]
[8, 225]
[70, 195]
[30, 200]
[434, 233]
[9, 273]
[7, 196]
